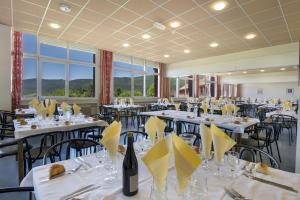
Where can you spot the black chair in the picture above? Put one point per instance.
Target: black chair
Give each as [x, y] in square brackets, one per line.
[188, 127]
[170, 124]
[9, 193]
[253, 154]
[79, 146]
[287, 122]
[136, 135]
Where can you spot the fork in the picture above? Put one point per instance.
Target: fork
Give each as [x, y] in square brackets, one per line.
[234, 194]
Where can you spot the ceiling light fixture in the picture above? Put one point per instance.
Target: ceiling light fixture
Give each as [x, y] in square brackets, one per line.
[282, 69]
[174, 24]
[214, 44]
[65, 7]
[245, 72]
[166, 56]
[250, 36]
[146, 36]
[187, 51]
[159, 26]
[220, 5]
[125, 45]
[262, 70]
[229, 73]
[54, 25]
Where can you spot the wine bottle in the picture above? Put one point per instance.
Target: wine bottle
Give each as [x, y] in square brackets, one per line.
[130, 169]
[56, 113]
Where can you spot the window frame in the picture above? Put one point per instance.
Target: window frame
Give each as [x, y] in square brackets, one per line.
[133, 72]
[67, 62]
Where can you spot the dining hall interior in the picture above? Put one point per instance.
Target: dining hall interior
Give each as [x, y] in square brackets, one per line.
[149, 99]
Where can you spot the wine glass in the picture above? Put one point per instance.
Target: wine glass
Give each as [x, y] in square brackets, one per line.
[233, 161]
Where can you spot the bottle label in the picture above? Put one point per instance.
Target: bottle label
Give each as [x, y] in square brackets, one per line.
[133, 180]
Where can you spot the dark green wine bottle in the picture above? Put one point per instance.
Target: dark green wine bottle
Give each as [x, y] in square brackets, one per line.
[130, 169]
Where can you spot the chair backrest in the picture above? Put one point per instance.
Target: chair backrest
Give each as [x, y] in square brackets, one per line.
[16, 193]
[253, 154]
[137, 135]
[75, 145]
[189, 127]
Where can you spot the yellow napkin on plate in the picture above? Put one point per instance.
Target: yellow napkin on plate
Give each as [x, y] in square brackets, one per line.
[42, 110]
[111, 137]
[221, 141]
[206, 140]
[224, 110]
[235, 109]
[157, 161]
[230, 109]
[64, 106]
[150, 128]
[204, 107]
[177, 106]
[161, 125]
[186, 161]
[76, 109]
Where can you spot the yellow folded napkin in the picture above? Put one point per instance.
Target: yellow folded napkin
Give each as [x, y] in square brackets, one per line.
[161, 125]
[34, 103]
[166, 100]
[206, 140]
[51, 109]
[150, 128]
[186, 161]
[235, 109]
[64, 106]
[42, 110]
[131, 101]
[230, 109]
[273, 101]
[224, 110]
[157, 161]
[111, 137]
[172, 100]
[76, 109]
[177, 106]
[204, 107]
[221, 141]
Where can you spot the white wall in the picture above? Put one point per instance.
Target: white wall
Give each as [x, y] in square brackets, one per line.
[5, 67]
[276, 56]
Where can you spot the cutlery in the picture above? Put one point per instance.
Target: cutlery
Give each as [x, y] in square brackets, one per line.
[81, 191]
[271, 183]
[84, 162]
[230, 194]
[86, 167]
[233, 191]
[70, 171]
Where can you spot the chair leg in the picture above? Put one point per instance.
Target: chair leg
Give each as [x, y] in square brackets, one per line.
[278, 150]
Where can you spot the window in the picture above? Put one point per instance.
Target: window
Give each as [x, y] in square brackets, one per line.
[53, 68]
[207, 85]
[134, 77]
[173, 87]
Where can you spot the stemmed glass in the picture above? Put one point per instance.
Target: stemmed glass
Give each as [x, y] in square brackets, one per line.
[219, 162]
[233, 161]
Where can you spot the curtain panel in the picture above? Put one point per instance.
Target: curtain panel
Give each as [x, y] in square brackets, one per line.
[197, 85]
[161, 79]
[168, 87]
[106, 58]
[17, 55]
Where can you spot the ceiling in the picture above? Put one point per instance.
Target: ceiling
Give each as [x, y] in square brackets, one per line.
[108, 24]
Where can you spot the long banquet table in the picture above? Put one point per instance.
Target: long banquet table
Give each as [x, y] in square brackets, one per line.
[47, 126]
[228, 122]
[94, 175]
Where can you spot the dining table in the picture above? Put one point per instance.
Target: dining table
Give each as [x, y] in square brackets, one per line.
[30, 111]
[290, 113]
[89, 182]
[33, 127]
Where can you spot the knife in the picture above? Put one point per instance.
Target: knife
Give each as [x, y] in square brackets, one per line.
[271, 183]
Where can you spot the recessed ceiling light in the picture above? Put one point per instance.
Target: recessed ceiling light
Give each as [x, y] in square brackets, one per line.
[282, 69]
[146, 36]
[65, 7]
[245, 72]
[54, 25]
[229, 73]
[187, 51]
[214, 44]
[175, 24]
[219, 5]
[262, 70]
[166, 56]
[125, 45]
[250, 36]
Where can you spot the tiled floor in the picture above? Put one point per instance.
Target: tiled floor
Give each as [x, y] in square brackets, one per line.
[9, 175]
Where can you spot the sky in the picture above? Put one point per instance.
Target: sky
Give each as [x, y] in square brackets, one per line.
[51, 70]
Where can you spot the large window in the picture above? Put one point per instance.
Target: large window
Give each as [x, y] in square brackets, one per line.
[134, 77]
[57, 69]
[185, 86]
[173, 87]
[207, 85]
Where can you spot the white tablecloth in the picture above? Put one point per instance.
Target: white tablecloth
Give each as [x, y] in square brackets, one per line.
[218, 120]
[122, 107]
[55, 189]
[291, 113]
[47, 126]
[25, 111]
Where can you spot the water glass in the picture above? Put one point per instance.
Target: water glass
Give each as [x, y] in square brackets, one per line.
[233, 161]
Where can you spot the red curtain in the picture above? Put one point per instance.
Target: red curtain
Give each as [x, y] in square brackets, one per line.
[105, 76]
[197, 86]
[17, 70]
[168, 87]
[161, 79]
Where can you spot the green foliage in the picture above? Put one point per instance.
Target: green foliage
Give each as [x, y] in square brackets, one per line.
[57, 92]
[138, 93]
[82, 92]
[120, 93]
[150, 90]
